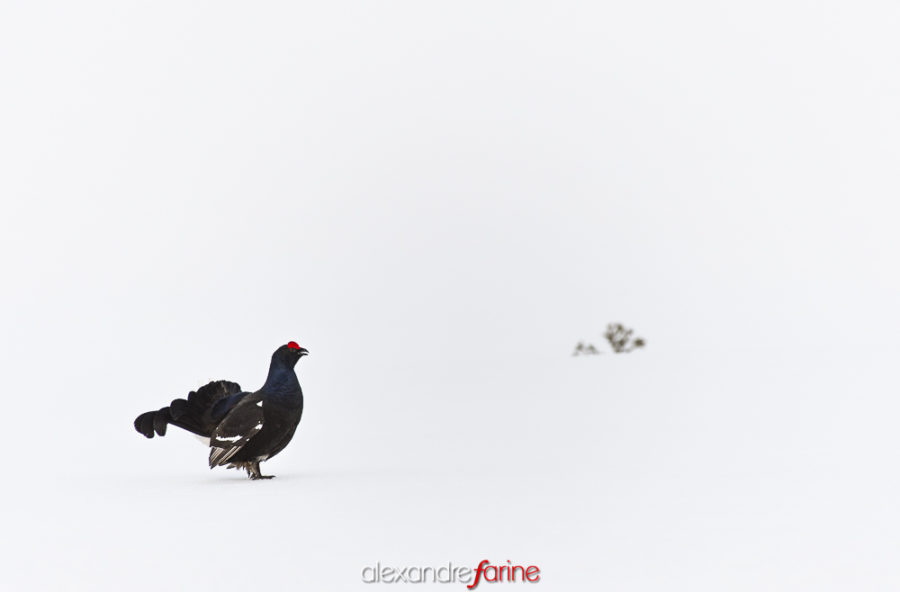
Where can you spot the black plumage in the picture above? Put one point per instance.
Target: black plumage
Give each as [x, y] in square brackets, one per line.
[243, 428]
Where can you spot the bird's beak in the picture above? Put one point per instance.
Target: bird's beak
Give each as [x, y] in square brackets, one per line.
[303, 352]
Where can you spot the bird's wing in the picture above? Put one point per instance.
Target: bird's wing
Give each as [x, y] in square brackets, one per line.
[243, 422]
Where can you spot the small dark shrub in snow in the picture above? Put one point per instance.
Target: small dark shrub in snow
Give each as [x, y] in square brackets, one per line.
[619, 338]
[587, 350]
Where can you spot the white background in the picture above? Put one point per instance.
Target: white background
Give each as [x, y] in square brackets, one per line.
[438, 200]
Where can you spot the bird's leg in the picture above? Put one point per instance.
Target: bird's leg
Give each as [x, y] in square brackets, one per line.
[254, 472]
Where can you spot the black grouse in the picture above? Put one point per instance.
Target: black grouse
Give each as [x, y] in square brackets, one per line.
[243, 428]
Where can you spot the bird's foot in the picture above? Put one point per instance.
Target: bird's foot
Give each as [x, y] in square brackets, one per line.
[254, 473]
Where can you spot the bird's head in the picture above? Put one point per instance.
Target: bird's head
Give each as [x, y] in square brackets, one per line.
[289, 354]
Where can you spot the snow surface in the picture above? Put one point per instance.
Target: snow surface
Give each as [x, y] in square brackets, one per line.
[644, 471]
[439, 200]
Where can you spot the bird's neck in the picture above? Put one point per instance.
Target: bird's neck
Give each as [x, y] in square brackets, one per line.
[282, 381]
